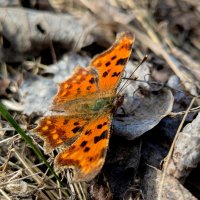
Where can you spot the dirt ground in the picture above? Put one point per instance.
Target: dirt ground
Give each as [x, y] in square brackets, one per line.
[154, 147]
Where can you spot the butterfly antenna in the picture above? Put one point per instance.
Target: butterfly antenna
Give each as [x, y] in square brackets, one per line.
[127, 79]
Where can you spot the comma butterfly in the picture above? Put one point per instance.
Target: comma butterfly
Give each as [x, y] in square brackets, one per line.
[86, 100]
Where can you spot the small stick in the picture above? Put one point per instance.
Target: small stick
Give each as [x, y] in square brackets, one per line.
[172, 148]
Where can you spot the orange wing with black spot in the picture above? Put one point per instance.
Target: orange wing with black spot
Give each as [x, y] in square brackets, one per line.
[101, 77]
[57, 130]
[87, 155]
[111, 63]
[86, 98]
[83, 82]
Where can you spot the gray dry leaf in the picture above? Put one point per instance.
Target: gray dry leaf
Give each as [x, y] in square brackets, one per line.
[172, 189]
[37, 93]
[34, 31]
[148, 113]
[143, 110]
[64, 68]
[186, 154]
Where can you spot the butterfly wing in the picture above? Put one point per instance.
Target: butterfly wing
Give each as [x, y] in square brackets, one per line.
[57, 130]
[77, 87]
[111, 63]
[87, 90]
[99, 79]
[87, 155]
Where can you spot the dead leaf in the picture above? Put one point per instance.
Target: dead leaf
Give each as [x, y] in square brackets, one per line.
[35, 31]
[150, 110]
[143, 109]
[37, 93]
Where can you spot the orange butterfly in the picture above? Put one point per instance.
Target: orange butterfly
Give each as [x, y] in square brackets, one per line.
[86, 98]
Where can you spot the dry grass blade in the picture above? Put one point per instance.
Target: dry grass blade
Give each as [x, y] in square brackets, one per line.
[159, 50]
[9, 118]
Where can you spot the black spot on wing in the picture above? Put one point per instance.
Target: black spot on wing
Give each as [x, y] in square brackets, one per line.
[83, 143]
[92, 80]
[101, 137]
[86, 149]
[99, 126]
[113, 58]
[121, 61]
[105, 74]
[90, 159]
[77, 129]
[107, 64]
[88, 87]
[116, 74]
[105, 123]
[65, 121]
[88, 132]
[78, 90]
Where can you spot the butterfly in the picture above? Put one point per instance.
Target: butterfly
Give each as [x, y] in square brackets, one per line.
[86, 101]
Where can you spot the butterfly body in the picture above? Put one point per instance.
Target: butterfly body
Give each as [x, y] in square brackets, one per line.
[86, 98]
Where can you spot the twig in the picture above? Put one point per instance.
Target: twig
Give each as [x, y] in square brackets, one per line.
[5, 195]
[172, 148]
[173, 114]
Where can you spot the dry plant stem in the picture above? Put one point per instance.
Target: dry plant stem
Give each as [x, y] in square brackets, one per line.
[80, 40]
[44, 176]
[5, 195]
[157, 49]
[76, 188]
[19, 179]
[59, 190]
[7, 160]
[69, 181]
[37, 179]
[171, 149]
[190, 63]
[143, 21]
[196, 109]
[81, 189]
[52, 193]
[78, 192]
[15, 176]
[12, 105]
[33, 175]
